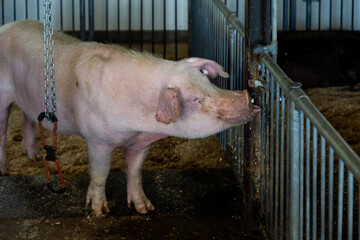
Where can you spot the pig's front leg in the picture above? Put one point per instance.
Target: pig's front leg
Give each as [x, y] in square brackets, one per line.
[4, 116]
[99, 160]
[29, 142]
[134, 160]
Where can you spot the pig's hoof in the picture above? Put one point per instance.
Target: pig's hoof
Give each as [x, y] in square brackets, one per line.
[142, 205]
[99, 206]
[32, 152]
[101, 211]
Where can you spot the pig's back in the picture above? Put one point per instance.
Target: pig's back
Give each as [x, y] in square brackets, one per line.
[33, 31]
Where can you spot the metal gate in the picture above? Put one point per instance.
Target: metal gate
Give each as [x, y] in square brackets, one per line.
[307, 188]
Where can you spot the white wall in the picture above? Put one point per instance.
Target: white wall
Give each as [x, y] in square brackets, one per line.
[182, 13]
[325, 14]
[100, 13]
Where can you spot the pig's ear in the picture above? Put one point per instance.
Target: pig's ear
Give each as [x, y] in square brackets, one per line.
[168, 108]
[208, 67]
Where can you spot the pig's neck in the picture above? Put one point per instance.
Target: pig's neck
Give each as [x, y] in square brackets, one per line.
[127, 94]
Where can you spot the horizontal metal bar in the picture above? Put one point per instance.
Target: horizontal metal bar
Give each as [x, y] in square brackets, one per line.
[340, 146]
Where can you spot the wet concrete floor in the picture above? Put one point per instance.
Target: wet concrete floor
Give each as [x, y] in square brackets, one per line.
[191, 204]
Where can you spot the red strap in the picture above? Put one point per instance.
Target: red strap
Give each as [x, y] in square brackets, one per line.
[50, 150]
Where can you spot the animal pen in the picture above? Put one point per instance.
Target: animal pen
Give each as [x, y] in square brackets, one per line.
[299, 177]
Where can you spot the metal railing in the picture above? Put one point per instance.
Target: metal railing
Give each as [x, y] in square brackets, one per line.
[304, 193]
[306, 196]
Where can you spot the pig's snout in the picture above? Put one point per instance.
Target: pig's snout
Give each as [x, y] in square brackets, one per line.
[238, 108]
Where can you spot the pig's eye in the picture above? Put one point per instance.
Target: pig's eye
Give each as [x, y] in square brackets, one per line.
[195, 99]
[204, 71]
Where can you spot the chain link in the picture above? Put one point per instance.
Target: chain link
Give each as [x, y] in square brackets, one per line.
[49, 65]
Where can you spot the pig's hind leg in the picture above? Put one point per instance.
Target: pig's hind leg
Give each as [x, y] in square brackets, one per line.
[5, 104]
[29, 143]
[134, 160]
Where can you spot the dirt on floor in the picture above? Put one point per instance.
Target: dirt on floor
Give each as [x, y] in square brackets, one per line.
[341, 107]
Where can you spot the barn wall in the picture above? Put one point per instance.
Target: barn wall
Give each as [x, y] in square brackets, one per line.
[344, 21]
[100, 13]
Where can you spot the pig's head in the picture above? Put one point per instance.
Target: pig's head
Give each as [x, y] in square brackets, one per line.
[191, 106]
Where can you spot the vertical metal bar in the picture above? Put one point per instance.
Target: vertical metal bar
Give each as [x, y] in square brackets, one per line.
[141, 27]
[331, 192]
[319, 17]
[14, 3]
[322, 198]
[308, 15]
[231, 56]
[129, 37]
[118, 22]
[73, 16]
[272, 166]
[164, 29]
[274, 24]
[91, 20]
[314, 180]
[292, 15]
[301, 180]
[307, 179]
[294, 190]
[263, 154]
[107, 19]
[340, 200]
[352, 16]
[258, 27]
[350, 201]
[330, 14]
[277, 158]
[285, 15]
[341, 14]
[287, 165]
[38, 9]
[176, 31]
[152, 27]
[237, 8]
[2, 13]
[61, 15]
[282, 164]
[27, 10]
[82, 19]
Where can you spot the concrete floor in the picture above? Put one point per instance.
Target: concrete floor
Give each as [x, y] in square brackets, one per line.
[192, 204]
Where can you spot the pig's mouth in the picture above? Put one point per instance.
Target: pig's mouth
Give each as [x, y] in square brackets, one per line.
[243, 116]
[256, 109]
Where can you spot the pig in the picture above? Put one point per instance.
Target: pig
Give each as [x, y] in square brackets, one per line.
[114, 98]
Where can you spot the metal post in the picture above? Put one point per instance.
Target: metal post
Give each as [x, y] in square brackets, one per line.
[258, 29]
[294, 149]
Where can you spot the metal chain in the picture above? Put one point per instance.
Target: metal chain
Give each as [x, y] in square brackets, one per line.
[49, 65]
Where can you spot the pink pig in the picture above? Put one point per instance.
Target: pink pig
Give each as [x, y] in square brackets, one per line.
[114, 98]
